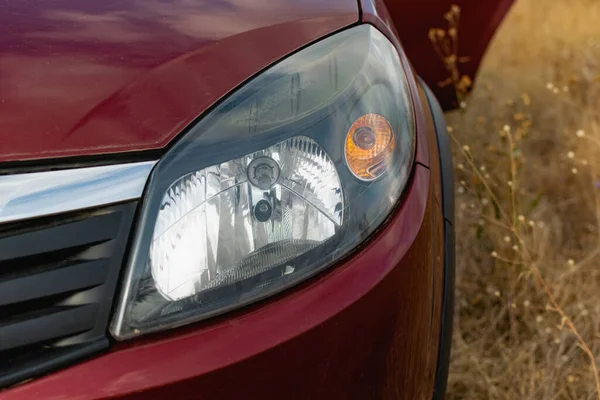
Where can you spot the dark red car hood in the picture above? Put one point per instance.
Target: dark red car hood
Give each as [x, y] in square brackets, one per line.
[84, 77]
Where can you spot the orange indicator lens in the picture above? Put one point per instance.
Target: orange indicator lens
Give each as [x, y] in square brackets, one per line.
[369, 146]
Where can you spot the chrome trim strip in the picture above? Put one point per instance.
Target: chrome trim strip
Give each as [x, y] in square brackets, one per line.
[38, 194]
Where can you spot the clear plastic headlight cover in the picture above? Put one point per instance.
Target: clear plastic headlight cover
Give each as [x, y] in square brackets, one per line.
[283, 178]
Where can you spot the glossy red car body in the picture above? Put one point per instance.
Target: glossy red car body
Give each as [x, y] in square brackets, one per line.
[80, 79]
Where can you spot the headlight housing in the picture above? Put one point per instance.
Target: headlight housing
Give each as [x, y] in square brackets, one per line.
[280, 180]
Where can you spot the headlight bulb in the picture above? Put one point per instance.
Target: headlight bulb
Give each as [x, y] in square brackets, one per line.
[263, 210]
[263, 172]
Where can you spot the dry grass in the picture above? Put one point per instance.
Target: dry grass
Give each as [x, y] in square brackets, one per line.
[527, 164]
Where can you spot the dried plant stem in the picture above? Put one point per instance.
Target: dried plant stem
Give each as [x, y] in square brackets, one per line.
[528, 258]
[513, 176]
[445, 44]
[467, 155]
[566, 320]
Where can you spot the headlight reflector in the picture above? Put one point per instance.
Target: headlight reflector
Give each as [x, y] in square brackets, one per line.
[221, 224]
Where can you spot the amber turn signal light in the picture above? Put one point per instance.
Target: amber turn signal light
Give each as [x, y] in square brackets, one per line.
[369, 146]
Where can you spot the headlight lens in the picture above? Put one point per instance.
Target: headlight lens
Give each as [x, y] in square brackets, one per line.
[280, 180]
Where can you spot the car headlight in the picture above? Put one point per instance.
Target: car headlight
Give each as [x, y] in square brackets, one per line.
[280, 180]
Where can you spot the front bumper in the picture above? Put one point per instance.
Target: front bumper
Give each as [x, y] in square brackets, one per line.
[368, 328]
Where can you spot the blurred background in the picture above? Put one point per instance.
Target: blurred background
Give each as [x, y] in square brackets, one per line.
[527, 165]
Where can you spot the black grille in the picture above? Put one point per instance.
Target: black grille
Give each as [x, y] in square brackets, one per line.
[57, 283]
